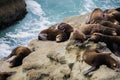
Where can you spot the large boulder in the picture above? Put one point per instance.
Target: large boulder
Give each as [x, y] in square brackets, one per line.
[11, 11]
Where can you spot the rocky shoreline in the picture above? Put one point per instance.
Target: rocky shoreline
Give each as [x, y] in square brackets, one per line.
[11, 11]
[58, 61]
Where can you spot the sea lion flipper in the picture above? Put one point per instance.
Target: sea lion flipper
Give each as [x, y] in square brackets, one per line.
[85, 73]
[11, 73]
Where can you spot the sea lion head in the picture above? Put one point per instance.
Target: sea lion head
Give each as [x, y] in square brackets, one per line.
[61, 37]
[65, 27]
[115, 66]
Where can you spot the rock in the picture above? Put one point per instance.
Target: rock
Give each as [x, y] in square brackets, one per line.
[11, 11]
[59, 61]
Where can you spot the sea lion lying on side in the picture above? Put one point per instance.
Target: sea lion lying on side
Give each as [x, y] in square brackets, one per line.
[59, 34]
[52, 35]
[20, 53]
[97, 15]
[112, 42]
[111, 25]
[96, 59]
[92, 28]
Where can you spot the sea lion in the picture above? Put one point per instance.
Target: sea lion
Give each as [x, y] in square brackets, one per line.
[5, 75]
[111, 25]
[96, 16]
[112, 15]
[20, 53]
[112, 42]
[78, 37]
[65, 28]
[88, 29]
[96, 59]
[52, 34]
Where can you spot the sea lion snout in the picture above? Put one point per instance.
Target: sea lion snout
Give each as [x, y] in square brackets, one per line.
[42, 37]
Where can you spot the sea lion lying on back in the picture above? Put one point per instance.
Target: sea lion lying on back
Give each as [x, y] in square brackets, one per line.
[20, 53]
[5, 75]
[113, 42]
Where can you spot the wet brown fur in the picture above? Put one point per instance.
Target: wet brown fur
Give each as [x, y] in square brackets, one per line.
[96, 59]
[111, 25]
[5, 75]
[96, 16]
[112, 15]
[65, 28]
[92, 28]
[52, 34]
[20, 53]
[113, 42]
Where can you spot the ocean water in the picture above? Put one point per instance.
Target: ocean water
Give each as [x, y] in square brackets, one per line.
[41, 15]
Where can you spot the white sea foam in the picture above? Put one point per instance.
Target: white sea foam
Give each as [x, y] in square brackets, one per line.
[4, 50]
[20, 35]
[89, 5]
[34, 7]
[27, 30]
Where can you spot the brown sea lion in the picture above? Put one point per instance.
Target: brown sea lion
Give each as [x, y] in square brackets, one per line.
[52, 34]
[112, 15]
[96, 59]
[96, 16]
[65, 28]
[78, 37]
[113, 42]
[111, 25]
[92, 28]
[20, 53]
[5, 75]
